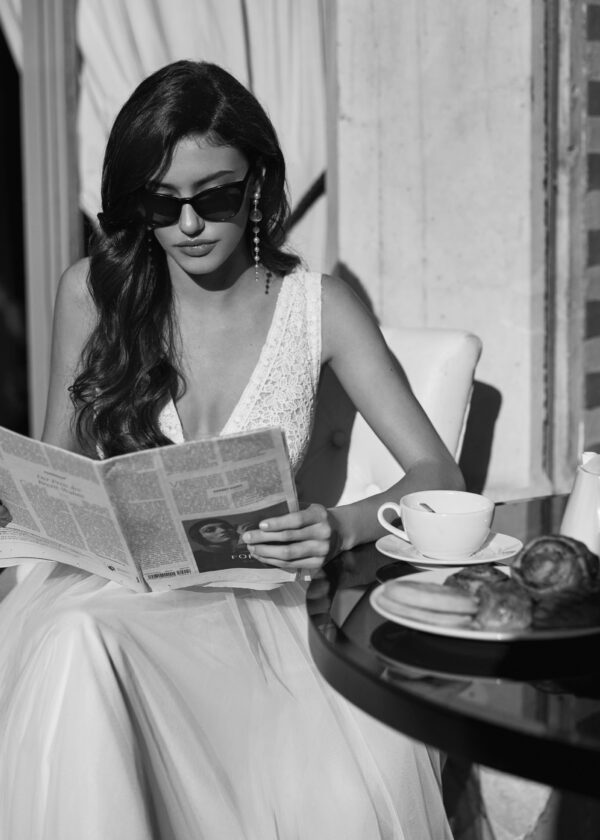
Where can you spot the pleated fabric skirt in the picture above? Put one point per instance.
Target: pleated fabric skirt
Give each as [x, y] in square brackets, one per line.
[189, 715]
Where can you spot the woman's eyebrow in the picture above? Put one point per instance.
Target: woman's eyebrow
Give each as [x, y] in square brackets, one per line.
[196, 184]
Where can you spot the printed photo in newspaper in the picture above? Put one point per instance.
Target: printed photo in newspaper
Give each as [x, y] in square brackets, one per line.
[216, 542]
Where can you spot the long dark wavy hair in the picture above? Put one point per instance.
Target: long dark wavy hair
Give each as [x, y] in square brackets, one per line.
[129, 366]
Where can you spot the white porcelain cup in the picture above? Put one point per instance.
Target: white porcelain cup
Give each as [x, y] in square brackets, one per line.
[458, 526]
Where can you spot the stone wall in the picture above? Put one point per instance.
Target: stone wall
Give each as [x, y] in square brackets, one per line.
[436, 169]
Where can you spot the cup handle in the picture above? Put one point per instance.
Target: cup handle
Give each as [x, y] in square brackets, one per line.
[388, 525]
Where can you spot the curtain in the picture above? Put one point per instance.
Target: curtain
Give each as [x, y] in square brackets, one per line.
[10, 20]
[274, 47]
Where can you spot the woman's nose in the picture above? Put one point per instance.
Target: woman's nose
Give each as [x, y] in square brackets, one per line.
[189, 221]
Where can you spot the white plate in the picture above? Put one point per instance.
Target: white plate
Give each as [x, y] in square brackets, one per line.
[496, 549]
[439, 576]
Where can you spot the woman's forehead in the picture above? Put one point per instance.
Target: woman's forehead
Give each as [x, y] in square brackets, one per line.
[196, 158]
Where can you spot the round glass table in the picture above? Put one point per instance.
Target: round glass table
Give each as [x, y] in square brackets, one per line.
[529, 708]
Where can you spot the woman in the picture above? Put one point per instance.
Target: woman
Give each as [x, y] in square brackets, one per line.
[215, 535]
[218, 544]
[198, 713]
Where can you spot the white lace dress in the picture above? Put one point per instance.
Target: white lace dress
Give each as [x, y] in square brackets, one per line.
[197, 713]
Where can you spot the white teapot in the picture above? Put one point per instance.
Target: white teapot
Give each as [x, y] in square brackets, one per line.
[581, 519]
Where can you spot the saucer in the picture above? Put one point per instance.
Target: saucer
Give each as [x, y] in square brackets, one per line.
[496, 549]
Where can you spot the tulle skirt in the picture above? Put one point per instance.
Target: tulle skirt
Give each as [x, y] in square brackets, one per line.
[186, 715]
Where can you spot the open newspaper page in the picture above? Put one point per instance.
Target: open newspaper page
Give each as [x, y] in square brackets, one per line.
[158, 519]
[183, 509]
[61, 511]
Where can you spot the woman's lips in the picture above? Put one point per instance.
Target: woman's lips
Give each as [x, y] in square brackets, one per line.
[196, 249]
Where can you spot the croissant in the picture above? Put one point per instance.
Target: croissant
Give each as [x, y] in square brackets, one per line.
[555, 564]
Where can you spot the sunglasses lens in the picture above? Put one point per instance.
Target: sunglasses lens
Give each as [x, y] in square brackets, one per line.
[160, 210]
[219, 204]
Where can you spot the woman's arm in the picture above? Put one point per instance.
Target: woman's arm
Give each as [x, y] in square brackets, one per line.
[73, 321]
[356, 350]
[354, 347]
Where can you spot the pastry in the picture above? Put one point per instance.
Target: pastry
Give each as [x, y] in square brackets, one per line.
[503, 605]
[431, 603]
[445, 619]
[553, 564]
[430, 596]
[470, 578]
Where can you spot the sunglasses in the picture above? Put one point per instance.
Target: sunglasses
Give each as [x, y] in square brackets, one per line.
[217, 204]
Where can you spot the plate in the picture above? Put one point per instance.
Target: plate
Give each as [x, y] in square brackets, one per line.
[496, 549]
[439, 576]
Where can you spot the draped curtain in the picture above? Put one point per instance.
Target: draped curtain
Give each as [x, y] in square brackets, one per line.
[10, 20]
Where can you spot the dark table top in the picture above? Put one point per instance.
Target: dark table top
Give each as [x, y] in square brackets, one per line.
[531, 708]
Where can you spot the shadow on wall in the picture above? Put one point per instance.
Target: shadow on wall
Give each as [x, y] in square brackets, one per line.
[476, 450]
[323, 473]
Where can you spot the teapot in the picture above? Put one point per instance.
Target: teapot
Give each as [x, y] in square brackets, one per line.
[581, 519]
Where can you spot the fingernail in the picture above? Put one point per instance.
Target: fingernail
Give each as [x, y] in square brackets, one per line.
[264, 525]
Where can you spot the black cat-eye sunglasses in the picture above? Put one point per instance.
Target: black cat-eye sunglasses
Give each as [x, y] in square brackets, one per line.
[216, 204]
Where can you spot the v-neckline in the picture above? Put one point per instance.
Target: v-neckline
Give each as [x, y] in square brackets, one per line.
[171, 408]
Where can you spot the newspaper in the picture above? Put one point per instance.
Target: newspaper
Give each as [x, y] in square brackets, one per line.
[152, 520]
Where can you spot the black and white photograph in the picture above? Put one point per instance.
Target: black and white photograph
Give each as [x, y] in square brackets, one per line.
[300, 420]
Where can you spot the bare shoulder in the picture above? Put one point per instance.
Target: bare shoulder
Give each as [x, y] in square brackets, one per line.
[74, 315]
[338, 292]
[346, 318]
[73, 285]
[73, 298]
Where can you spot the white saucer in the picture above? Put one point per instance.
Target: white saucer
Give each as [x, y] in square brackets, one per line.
[496, 549]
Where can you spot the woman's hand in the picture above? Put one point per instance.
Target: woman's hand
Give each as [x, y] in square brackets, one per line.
[301, 540]
[5, 516]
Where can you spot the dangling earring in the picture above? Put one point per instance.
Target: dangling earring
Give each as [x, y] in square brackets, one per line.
[149, 242]
[256, 218]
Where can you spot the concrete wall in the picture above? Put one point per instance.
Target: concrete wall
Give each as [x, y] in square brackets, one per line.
[436, 166]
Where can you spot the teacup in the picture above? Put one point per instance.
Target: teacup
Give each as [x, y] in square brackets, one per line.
[442, 524]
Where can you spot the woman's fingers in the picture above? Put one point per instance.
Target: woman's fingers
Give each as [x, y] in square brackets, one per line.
[290, 552]
[317, 532]
[312, 522]
[303, 539]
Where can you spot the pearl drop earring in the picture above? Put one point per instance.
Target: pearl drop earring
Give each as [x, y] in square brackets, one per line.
[256, 218]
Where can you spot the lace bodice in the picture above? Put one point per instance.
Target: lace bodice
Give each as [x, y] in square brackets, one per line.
[282, 388]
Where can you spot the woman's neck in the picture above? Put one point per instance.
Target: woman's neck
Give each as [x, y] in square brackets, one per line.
[228, 281]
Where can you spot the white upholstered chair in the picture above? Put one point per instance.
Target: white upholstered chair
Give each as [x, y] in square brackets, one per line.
[440, 365]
